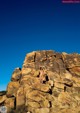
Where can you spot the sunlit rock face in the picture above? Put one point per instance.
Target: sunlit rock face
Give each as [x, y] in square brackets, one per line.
[49, 82]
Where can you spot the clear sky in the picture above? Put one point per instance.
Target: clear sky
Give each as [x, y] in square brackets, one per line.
[29, 25]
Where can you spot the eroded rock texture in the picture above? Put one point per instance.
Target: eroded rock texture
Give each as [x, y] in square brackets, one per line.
[49, 82]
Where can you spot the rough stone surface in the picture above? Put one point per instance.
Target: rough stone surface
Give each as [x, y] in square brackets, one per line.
[12, 89]
[16, 74]
[49, 82]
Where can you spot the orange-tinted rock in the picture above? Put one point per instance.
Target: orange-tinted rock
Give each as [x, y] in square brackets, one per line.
[16, 74]
[12, 89]
[75, 70]
[49, 82]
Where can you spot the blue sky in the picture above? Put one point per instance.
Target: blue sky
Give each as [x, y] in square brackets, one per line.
[29, 25]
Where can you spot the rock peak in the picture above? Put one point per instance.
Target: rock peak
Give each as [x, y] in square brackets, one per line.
[49, 82]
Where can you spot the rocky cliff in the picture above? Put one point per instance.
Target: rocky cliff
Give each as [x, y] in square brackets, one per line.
[49, 82]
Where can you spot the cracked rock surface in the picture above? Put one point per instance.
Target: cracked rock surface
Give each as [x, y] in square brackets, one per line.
[49, 82]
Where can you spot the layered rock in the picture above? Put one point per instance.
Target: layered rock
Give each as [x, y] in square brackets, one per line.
[49, 82]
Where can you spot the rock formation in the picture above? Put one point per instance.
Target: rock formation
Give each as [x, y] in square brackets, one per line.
[49, 82]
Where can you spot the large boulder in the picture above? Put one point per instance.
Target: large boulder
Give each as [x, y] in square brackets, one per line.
[20, 98]
[10, 104]
[12, 89]
[16, 74]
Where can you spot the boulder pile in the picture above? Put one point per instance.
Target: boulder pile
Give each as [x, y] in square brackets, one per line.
[49, 82]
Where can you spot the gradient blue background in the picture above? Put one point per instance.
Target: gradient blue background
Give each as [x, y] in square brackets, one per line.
[29, 25]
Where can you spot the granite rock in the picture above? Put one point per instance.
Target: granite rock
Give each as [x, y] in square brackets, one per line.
[49, 82]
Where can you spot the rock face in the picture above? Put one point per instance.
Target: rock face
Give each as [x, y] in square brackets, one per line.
[49, 82]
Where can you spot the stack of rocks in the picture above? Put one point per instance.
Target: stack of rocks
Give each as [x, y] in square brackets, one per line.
[49, 82]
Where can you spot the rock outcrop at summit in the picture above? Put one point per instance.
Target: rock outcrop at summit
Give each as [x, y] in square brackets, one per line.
[49, 82]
